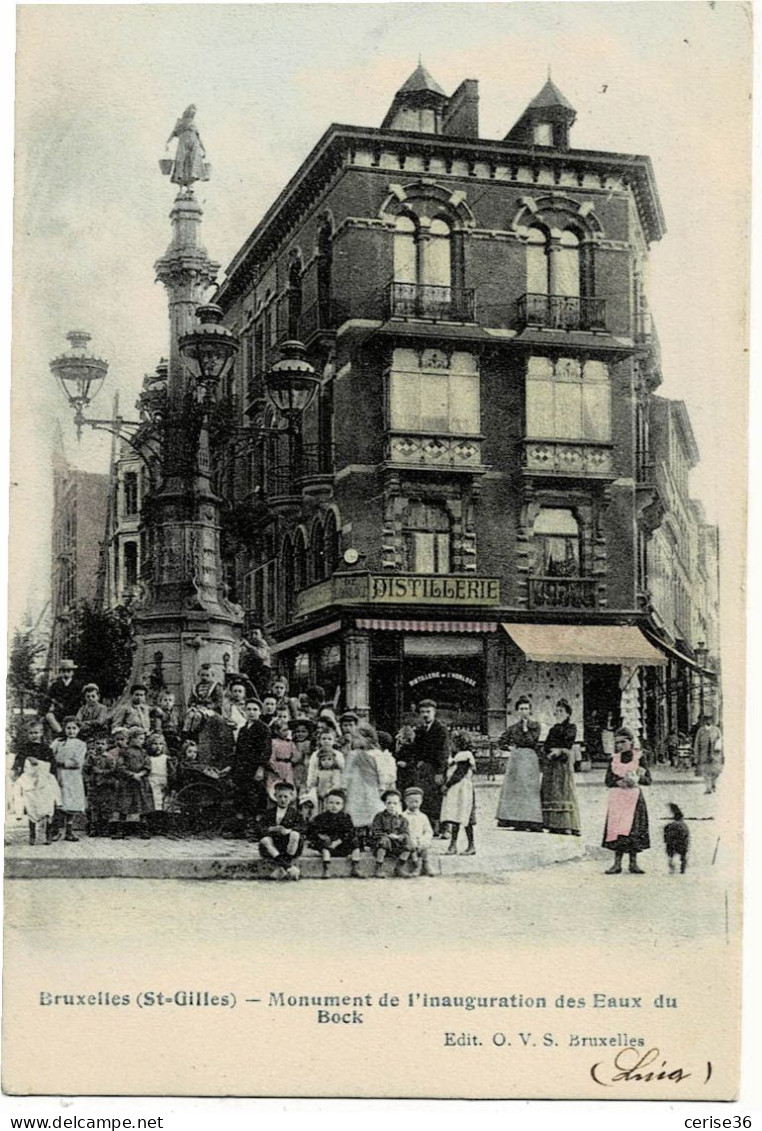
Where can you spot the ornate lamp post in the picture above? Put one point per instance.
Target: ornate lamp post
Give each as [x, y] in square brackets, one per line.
[80, 375]
[290, 387]
[185, 613]
[208, 350]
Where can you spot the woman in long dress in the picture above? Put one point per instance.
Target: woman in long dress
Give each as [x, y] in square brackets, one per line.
[519, 806]
[626, 828]
[558, 795]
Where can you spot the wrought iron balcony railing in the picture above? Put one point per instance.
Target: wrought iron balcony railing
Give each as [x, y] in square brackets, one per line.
[645, 333]
[562, 592]
[284, 477]
[562, 312]
[420, 300]
[322, 315]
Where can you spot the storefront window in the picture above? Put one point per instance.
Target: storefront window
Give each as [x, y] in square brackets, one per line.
[300, 678]
[329, 668]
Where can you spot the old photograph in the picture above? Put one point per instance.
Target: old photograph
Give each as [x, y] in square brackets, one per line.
[364, 527]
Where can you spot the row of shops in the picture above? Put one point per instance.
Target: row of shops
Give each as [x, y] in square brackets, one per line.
[611, 674]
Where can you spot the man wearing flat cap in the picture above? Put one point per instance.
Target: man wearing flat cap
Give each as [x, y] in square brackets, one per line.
[64, 697]
[429, 753]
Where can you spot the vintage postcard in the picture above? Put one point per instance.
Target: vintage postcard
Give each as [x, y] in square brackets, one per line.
[376, 631]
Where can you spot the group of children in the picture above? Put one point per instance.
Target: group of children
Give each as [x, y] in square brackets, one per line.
[288, 827]
[117, 781]
[299, 777]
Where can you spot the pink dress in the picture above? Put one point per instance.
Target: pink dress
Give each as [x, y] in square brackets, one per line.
[281, 762]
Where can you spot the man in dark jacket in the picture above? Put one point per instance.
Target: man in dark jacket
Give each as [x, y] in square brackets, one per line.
[250, 761]
[64, 697]
[429, 753]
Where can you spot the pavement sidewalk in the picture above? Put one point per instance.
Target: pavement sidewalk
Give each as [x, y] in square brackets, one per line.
[498, 850]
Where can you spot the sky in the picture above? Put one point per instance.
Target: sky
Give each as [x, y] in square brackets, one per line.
[99, 88]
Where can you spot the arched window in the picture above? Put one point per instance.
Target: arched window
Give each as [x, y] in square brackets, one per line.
[294, 299]
[556, 533]
[317, 551]
[426, 538]
[324, 269]
[566, 266]
[300, 562]
[405, 253]
[435, 266]
[272, 320]
[331, 544]
[537, 262]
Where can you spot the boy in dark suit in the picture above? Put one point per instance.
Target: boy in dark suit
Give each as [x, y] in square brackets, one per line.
[283, 841]
[250, 762]
[333, 834]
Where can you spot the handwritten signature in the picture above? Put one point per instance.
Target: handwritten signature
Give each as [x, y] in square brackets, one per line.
[632, 1067]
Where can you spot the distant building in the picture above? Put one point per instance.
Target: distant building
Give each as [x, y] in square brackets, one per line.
[471, 513]
[80, 500]
[122, 541]
[682, 574]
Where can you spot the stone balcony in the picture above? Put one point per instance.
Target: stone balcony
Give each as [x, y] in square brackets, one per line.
[584, 459]
[429, 451]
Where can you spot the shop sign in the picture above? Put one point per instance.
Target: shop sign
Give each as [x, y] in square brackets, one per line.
[442, 675]
[399, 589]
[434, 589]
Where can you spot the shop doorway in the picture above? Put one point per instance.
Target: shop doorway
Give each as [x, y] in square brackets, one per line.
[455, 683]
[602, 697]
[385, 706]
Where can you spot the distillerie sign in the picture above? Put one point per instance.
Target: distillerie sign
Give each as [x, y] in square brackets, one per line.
[399, 589]
[433, 589]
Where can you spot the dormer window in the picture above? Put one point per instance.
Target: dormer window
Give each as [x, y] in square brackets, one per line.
[543, 133]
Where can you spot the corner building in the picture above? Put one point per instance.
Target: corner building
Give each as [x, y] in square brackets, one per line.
[462, 518]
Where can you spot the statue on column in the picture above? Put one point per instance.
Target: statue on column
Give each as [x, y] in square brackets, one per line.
[189, 164]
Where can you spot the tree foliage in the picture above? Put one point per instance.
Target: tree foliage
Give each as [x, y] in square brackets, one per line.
[103, 647]
[23, 670]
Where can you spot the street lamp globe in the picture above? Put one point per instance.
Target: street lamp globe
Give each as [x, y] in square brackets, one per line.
[208, 351]
[79, 374]
[292, 382]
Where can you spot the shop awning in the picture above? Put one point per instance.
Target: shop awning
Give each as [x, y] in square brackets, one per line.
[305, 637]
[585, 644]
[427, 625]
[681, 658]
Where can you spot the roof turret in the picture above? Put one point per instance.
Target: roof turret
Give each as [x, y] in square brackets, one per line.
[418, 105]
[546, 120]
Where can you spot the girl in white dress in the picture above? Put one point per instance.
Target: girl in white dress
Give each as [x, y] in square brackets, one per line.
[459, 801]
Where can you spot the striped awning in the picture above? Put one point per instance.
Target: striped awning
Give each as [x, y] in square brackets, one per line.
[427, 625]
[305, 637]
